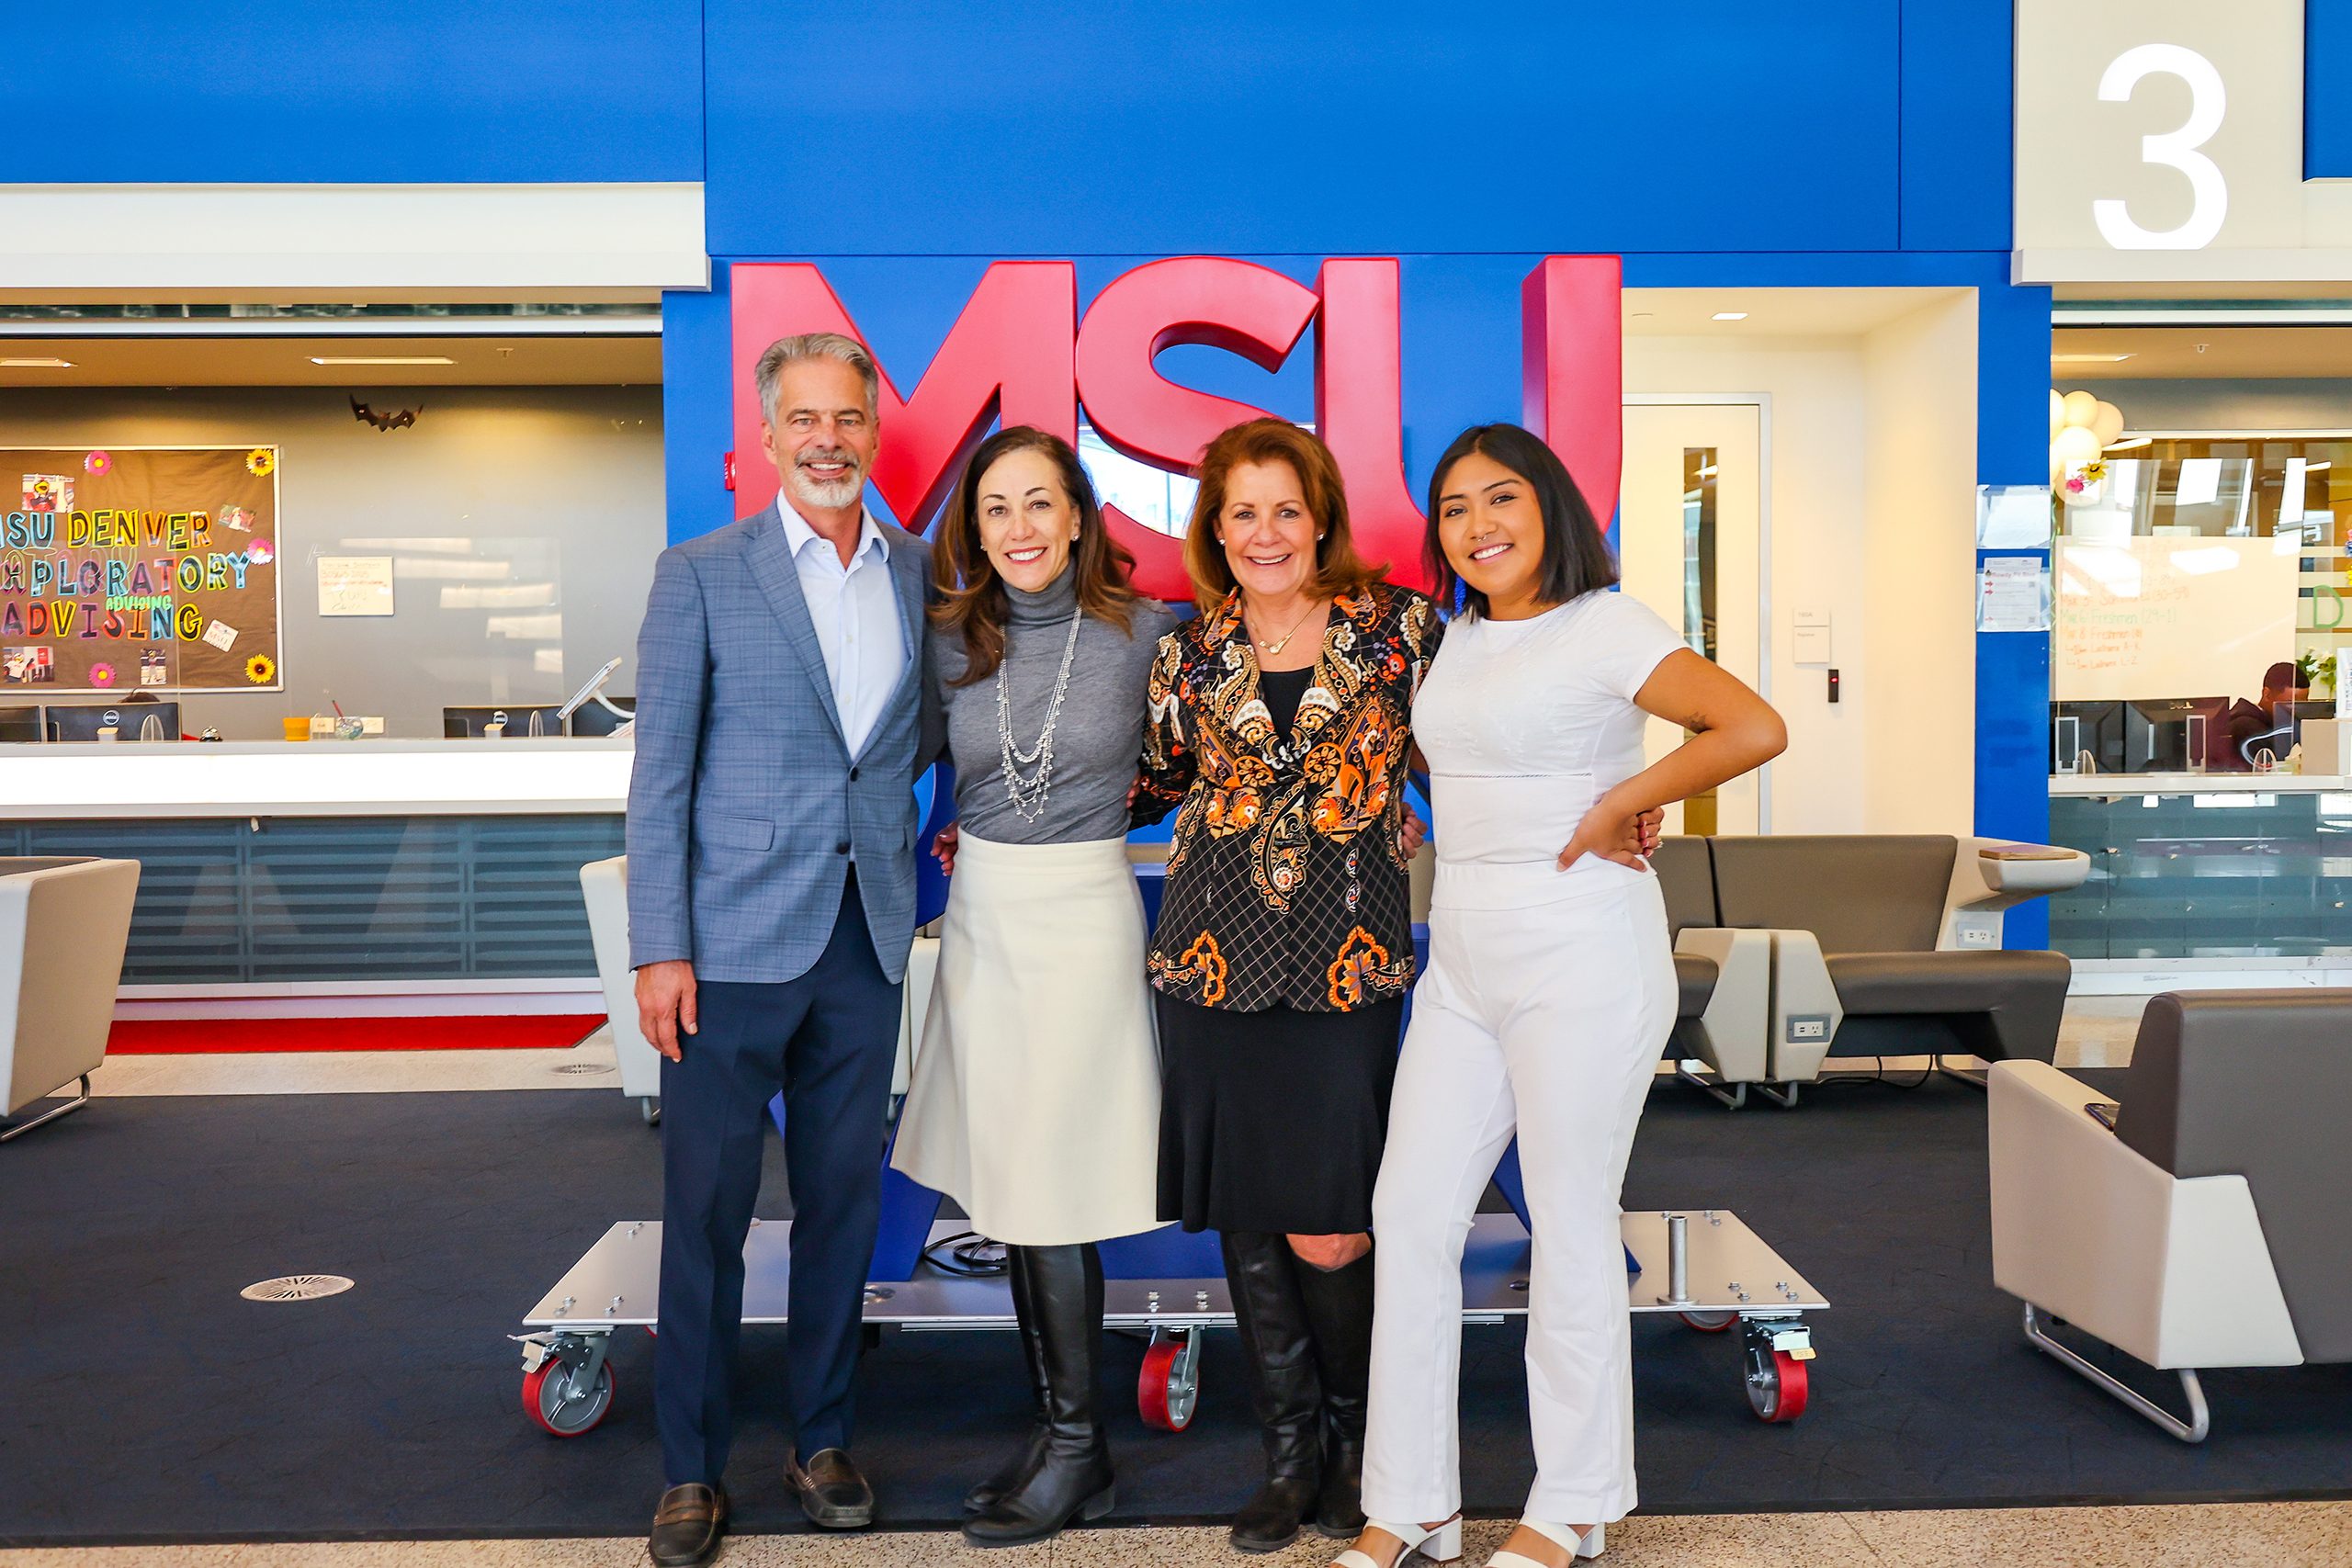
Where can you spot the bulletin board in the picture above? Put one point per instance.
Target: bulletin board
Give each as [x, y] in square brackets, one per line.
[2172, 617]
[138, 567]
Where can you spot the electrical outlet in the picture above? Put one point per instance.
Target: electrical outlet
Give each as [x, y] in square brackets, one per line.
[1808, 1028]
[1975, 936]
[1975, 930]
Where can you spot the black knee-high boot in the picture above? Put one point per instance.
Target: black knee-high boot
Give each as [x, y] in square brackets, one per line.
[1339, 1311]
[1071, 1477]
[984, 1495]
[1284, 1384]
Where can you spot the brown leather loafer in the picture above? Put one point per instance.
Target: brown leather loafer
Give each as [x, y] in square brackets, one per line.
[833, 1494]
[687, 1525]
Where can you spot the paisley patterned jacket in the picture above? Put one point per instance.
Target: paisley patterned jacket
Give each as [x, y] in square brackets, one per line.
[1285, 885]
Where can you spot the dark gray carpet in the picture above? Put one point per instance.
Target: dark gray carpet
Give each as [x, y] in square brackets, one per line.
[142, 1400]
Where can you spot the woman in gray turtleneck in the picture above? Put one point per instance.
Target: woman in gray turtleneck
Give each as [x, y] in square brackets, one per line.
[1035, 1099]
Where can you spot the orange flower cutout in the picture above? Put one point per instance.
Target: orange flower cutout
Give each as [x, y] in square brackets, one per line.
[1360, 962]
[1204, 959]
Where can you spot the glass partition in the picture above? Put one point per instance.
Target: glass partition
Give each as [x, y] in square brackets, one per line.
[2200, 596]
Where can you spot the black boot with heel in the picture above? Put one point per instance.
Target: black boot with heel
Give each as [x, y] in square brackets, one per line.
[1070, 1476]
[984, 1495]
[1269, 1310]
[1339, 1312]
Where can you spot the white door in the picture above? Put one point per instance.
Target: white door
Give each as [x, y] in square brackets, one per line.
[1690, 545]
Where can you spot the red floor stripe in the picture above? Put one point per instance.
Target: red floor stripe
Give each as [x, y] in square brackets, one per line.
[174, 1037]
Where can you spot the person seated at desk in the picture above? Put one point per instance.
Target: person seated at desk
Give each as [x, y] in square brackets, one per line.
[2247, 727]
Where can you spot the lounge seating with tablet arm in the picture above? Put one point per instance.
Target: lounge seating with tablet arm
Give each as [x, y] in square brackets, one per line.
[65, 924]
[2200, 1222]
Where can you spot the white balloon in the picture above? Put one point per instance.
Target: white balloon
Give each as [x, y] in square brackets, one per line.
[2074, 447]
[2057, 410]
[2108, 423]
[2081, 409]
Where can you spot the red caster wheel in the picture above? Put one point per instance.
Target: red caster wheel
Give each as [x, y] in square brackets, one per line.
[1777, 1384]
[553, 1395]
[1709, 1321]
[1169, 1383]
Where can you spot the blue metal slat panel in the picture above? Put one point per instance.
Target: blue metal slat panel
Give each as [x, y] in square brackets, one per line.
[186, 928]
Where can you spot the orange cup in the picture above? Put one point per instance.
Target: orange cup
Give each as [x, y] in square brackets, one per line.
[297, 728]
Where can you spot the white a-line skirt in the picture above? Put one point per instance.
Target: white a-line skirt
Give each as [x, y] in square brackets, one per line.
[1035, 1097]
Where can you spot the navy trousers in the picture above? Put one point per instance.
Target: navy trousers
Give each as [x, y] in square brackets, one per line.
[827, 1041]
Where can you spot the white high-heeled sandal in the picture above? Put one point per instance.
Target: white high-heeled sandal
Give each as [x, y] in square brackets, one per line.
[1440, 1545]
[1586, 1547]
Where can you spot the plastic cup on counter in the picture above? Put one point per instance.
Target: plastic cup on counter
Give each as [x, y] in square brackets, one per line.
[297, 728]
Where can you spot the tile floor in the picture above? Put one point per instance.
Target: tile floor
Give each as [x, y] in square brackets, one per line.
[2271, 1534]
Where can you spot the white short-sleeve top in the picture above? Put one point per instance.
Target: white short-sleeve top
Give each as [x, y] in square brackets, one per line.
[1525, 724]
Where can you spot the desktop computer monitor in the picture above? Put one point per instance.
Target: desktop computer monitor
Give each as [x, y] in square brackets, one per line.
[2096, 729]
[472, 723]
[22, 724]
[128, 720]
[592, 717]
[2170, 735]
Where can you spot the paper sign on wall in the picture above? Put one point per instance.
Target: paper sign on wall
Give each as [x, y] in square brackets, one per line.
[2012, 594]
[355, 585]
[113, 559]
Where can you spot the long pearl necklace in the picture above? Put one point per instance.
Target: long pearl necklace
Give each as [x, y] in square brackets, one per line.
[1027, 791]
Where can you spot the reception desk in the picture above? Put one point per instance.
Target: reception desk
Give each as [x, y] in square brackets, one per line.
[336, 866]
[2232, 866]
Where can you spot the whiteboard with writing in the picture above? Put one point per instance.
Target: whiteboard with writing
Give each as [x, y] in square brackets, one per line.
[2141, 618]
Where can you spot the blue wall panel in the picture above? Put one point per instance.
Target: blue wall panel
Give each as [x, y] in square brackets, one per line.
[1958, 97]
[1066, 128]
[2327, 102]
[425, 91]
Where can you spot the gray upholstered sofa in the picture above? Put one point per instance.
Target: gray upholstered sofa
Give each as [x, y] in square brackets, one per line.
[1876, 945]
[64, 923]
[2205, 1226]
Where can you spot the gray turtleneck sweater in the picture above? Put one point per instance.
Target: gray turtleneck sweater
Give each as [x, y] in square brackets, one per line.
[1097, 739]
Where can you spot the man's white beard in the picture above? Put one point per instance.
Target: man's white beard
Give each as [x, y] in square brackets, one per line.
[844, 491]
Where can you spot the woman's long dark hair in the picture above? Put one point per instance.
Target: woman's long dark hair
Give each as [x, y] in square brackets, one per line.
[1576, 559]
[972, 601]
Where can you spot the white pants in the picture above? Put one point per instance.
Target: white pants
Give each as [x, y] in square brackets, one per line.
[1548, 1001]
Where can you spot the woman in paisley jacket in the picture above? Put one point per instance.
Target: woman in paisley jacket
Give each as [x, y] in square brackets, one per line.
[1279, 734]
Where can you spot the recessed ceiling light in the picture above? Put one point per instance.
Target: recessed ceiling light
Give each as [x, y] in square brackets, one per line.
[1731, 315]
[37, 363]
[381, 359]
[2088, 358]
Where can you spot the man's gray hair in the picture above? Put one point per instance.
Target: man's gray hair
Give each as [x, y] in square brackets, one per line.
[787, 351]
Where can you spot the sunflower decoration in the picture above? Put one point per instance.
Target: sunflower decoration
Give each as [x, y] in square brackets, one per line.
[101, 675]
[261, 670]
[261, 461]
[97, 464]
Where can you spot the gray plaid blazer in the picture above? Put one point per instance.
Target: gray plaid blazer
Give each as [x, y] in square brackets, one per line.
[745, 804]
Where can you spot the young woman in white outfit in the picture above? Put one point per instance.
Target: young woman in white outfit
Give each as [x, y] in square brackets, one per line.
[1549, 996]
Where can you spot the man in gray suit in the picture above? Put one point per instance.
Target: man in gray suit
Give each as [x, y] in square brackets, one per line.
[780, 719]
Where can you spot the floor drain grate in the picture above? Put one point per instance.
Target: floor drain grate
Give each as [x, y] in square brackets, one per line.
[583, 1069]
[297, 1288]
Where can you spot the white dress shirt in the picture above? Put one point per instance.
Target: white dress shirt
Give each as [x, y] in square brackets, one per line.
[856, 610]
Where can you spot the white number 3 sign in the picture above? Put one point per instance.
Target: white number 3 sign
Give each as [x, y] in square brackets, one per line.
[2209, 193]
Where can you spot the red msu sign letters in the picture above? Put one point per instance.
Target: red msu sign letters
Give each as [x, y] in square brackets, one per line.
[1019, 352]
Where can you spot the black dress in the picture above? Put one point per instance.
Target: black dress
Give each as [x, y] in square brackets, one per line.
[1279, 1022]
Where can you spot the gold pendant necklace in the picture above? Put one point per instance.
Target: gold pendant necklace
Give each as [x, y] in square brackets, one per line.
[1275, 648]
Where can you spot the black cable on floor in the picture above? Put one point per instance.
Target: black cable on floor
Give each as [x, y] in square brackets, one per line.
[967, 1255]
[1877, 1076]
